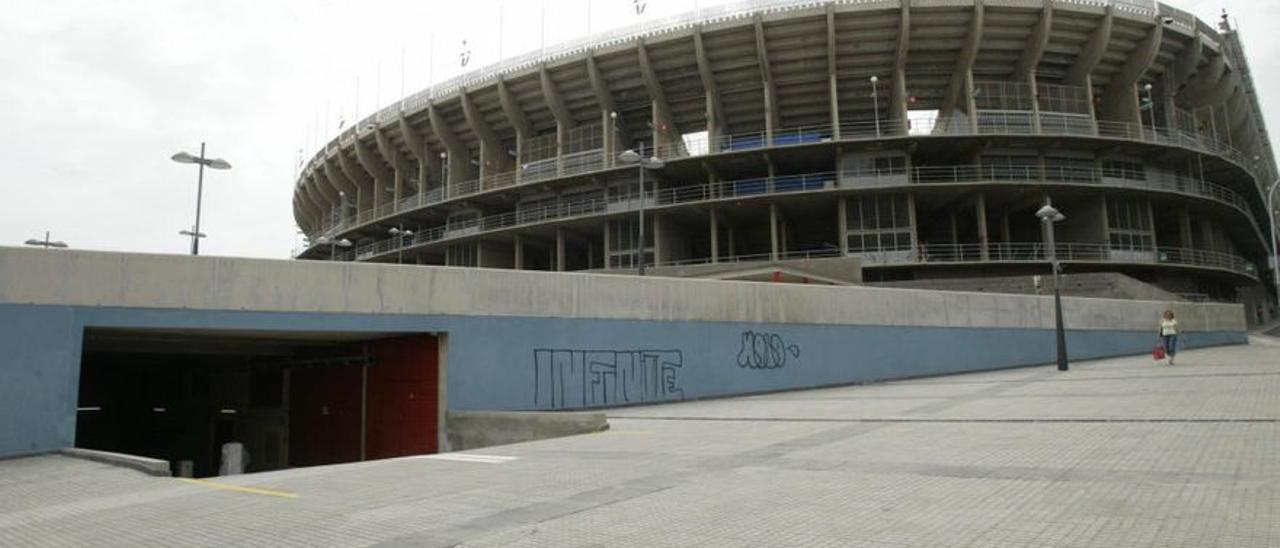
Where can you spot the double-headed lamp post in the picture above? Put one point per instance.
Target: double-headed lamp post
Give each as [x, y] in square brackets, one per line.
[334, 244]
[400, 235]
[1048, 215]
[632, 157]
[46, 242]
[213, 163]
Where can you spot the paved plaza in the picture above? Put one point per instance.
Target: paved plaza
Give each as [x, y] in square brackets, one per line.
[1114, 453]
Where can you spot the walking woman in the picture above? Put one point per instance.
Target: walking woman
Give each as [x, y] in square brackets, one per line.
[1169, 334]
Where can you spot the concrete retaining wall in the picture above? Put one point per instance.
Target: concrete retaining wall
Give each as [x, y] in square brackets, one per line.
[546, 341]
[476, 429]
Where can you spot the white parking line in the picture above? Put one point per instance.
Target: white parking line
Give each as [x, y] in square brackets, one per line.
[471, 457]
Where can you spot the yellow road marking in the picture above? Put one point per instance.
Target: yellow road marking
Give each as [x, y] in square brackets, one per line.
[239, 488]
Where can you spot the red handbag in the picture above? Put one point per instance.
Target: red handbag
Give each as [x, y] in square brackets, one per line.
[1158, 352]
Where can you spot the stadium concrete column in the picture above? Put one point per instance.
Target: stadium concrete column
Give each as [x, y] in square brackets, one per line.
[456, 154]
[606, 247]
[898, 102]
[771, 119]
[361, 180]
[560, 266]
[345, 188]
[564, 120]
[659, 250]
[327, 192]
[608, 111]
[663, 123]
[1080, 72]
[980, 209]
[1184, 228]
[833, 92]
[379, 177]
[401, 167]
[715, 235]
[1029, 60]
[773, 231]
[493, 159]
[518, 120]
[842, 225]
[418, 148]
[715, 114]
[517, 246]
[960, 91]
[1120, 100]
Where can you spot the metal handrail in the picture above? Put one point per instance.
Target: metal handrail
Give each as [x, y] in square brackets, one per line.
[1008, 252]
[806, 135]
[809, 182]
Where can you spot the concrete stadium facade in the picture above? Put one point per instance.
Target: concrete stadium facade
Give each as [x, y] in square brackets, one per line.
[916, 137]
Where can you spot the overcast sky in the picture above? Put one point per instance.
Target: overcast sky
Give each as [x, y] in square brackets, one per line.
[95, 96]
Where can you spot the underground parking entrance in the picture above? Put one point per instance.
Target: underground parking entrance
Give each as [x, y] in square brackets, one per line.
[203, 399]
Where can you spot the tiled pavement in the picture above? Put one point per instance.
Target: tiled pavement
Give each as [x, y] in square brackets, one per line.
[1113, 453]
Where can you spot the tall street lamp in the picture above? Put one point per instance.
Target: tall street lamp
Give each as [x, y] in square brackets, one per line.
[46, 242]
[334, 244]
[192, 234]
[400, 234]
[1275, 255]
[632, 157]
[1048, 215]
[213, 163]
[875, 101]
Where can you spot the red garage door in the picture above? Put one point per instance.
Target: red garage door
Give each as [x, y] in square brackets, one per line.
[401, 405]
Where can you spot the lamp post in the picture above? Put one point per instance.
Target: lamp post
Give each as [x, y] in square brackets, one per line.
[1048, 215]
[444, 175]
[334, 244]
[1151, 107]
[632, 157]
[1275, 255]
[399, 233]
[875, 101]
[192, 234]
[46, 242]
[213, 163]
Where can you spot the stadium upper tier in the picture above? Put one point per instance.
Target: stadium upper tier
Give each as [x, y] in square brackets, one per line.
[796, 111]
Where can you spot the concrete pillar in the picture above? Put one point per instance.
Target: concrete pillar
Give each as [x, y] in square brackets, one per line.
[1184, 228]
[733, 241]
[658, 256]
[398, 189]
[1033, 88]
[981, 210]
[1093, 107]
[773, 231]
[606, 246]
[1006, 235]
[560, 266]
[955, 228]
[835, 106]
[842, 225]
[715, 237]
[911, 212]
[970, 103]
[560, 139]
[1206, 233]
[518, 249]
[1151, 220]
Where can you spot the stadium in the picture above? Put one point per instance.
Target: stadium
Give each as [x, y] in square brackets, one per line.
[913, 139]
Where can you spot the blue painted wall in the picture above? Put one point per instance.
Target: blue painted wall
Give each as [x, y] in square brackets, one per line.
[552, 363]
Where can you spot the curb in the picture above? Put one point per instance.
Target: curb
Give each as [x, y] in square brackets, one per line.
[146, 465]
